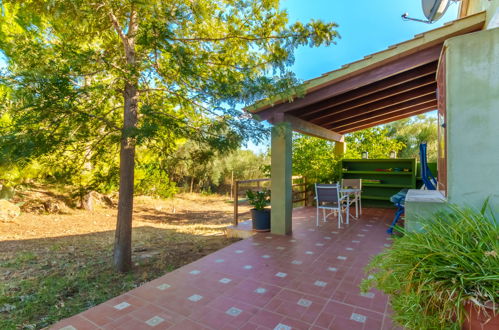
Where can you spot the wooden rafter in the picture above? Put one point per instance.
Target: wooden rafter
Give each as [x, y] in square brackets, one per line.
[389, 120]
[332, 118]
[367, 100]
[427, 70]
[393, 68]
[403, 108]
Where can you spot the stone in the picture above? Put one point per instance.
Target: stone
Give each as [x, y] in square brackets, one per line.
[6, 192]
[8, 210]
[53, 206]
[90, 200]
[108, 201]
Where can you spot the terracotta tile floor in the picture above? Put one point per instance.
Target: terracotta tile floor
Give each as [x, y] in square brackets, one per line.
[305, 281]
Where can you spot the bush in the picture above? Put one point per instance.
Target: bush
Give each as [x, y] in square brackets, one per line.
[258, 199]
[431, 275]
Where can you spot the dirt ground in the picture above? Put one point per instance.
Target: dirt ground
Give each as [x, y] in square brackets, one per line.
[186, 213]
[54, 265]
[179, 230]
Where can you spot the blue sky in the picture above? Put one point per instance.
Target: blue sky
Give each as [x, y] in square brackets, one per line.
[365, 26]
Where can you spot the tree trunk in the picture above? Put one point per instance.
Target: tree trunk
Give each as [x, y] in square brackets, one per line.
[123, 238]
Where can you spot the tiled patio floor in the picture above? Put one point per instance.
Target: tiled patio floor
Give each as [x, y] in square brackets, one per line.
[305, 281]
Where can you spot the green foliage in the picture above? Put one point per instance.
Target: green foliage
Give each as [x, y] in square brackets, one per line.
[245, 165]
[314, 159]
[258, 199]
[430, 275]
[195, 63]
[375, 140]
[151, 180]
[414, 131]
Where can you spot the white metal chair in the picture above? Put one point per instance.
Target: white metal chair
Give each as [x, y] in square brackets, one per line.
[355, 197]
[328, 198]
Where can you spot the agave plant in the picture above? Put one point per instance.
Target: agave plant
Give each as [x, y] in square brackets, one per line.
[431, 275]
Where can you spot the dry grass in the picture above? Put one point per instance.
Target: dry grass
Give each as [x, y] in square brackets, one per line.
[69, 255]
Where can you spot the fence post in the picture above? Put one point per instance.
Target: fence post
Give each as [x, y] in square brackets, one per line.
[236, 202]
[305, 190]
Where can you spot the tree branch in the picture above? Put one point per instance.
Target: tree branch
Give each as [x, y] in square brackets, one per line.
[247, 38]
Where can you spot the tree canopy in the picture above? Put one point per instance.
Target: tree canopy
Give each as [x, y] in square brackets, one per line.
[315, 159]
[92, 82]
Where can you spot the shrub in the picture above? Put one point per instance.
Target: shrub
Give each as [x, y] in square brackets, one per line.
[430, 275]
[258, 199]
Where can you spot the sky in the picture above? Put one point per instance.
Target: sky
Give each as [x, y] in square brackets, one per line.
[365, 26]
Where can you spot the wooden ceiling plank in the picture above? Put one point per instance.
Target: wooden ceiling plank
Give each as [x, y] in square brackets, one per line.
[364, 101]
[378, 105]
[389, 69]
[402, 78]
[385, 121]
[386, 113]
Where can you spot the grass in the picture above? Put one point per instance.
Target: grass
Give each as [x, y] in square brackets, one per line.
[41, 301]
[43, 290]
[45, 278]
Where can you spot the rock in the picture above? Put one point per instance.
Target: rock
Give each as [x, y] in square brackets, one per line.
[8, 211]
[52, 207]
[107, 200]
[90, 200]
[6, 192]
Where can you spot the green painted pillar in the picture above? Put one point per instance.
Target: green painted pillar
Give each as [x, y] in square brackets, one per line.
[340, 148]
[281, 176]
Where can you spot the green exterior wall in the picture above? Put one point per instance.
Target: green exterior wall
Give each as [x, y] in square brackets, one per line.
[281, 176]
[472, 125]
[472, 122]
[477, 6]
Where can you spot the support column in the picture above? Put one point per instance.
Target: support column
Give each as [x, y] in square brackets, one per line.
[340, 148]
[281, 173]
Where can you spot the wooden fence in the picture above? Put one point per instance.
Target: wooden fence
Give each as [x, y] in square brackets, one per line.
[298, 185]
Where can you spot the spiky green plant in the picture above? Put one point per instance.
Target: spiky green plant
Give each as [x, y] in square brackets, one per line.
[430, 275]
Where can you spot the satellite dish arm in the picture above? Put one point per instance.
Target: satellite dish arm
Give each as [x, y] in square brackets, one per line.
[405, 17]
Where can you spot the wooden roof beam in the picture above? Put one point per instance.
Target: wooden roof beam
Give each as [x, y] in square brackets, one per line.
[402, 78]
[307, 128]
[410, 106]
[378, 105]
[391, 118]
[388, 93]
[392, 68]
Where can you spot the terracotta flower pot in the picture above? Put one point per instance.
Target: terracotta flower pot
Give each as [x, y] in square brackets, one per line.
[480, 319]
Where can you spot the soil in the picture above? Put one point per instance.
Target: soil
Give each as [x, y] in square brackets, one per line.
[174, 231]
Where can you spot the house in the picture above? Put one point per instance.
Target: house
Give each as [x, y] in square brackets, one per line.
[454, 68]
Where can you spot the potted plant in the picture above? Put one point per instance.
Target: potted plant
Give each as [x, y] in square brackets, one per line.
[445, 277]
[259, 214]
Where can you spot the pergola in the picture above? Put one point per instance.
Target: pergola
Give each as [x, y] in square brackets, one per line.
[396, 83]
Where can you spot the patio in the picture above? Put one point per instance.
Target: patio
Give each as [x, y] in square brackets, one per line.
[308, 280]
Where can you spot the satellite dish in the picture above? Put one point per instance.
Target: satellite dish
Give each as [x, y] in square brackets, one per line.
[434, 9]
